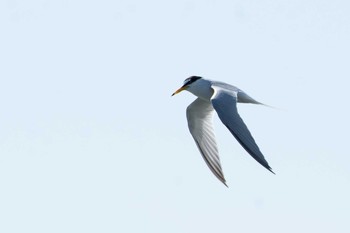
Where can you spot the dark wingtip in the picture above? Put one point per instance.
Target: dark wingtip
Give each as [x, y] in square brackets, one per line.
[224, 182]
[270, 169]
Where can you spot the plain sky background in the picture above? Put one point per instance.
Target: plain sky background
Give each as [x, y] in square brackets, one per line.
[91, 141]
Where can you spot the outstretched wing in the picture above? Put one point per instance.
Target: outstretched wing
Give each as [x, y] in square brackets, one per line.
[225, 104]
[199, 117]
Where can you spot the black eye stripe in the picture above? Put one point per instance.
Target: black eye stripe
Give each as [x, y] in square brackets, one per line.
[191, 79]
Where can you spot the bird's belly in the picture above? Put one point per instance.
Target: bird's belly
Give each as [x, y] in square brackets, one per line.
[204, 94]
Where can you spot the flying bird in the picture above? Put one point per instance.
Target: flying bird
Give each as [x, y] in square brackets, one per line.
[223, 98]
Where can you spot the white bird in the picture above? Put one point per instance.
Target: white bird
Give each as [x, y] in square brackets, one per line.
[223, 98]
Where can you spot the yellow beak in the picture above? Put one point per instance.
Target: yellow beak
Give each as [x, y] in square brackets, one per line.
[179, 90]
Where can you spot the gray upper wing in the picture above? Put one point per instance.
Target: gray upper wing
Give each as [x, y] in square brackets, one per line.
[199, 117]
[225, 104]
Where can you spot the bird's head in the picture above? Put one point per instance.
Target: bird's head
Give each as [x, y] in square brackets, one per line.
[187, 84]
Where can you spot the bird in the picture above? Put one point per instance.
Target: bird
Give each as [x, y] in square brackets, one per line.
[222, 98]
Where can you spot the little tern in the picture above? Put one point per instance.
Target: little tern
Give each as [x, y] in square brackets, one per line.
[223, 98]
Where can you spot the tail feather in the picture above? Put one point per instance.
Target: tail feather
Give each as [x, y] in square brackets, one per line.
[242, 97]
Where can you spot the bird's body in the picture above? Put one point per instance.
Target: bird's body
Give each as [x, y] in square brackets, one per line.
[223, 98]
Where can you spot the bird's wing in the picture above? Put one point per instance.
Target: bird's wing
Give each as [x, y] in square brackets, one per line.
[225, 104]
[199, 117]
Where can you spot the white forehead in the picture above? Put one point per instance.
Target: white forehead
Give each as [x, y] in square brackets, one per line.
[191, 80]
[187, 80]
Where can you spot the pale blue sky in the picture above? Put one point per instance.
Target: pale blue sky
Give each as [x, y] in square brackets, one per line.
[91, 141]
